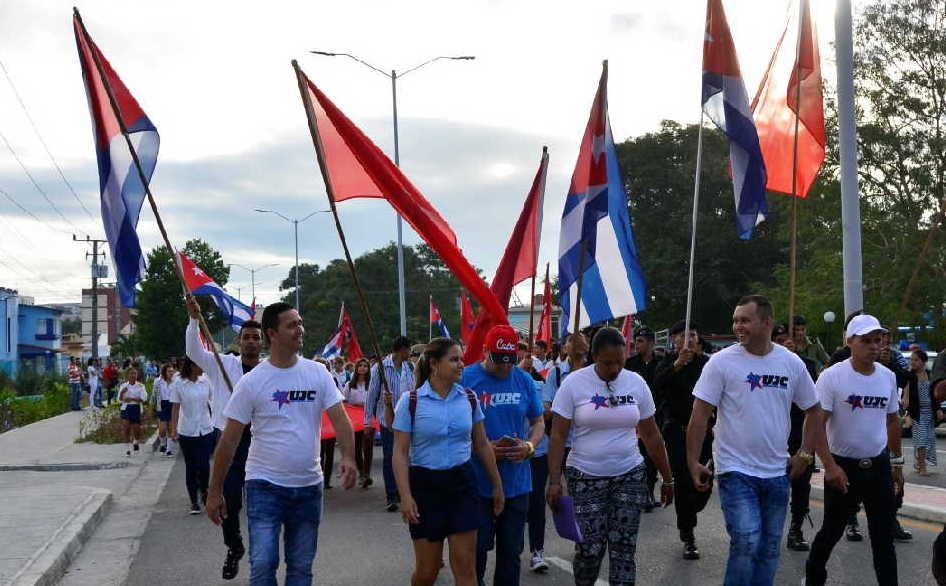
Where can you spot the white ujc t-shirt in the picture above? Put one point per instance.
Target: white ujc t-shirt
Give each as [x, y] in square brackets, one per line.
[604, 418]
[859, 405]
[753, 396]
[284, 406]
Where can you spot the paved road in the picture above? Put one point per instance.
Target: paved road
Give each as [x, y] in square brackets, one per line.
[363, 545]
[937, 477]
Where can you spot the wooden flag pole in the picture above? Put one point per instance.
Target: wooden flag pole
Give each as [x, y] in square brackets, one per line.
[696, 205]
[330, 191]
[144, 182]
[581, 277]
[793, 225]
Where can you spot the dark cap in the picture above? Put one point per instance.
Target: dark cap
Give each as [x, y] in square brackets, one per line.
[644, 332]
[800, 321]
[681, 325]
[780, 330]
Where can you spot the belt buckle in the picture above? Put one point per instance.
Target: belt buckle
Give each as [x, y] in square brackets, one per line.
[865, 463]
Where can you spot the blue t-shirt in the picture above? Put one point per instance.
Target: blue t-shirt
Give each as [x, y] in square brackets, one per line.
[555, 378]
[508, 404]
[543, 447]
[441, 434]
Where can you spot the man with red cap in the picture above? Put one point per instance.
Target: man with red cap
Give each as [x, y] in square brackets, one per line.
[514, 426]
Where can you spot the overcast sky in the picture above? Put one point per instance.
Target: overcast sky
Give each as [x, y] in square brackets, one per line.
[215, 78]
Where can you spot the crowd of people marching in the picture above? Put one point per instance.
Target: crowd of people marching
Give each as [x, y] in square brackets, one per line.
[475, 456]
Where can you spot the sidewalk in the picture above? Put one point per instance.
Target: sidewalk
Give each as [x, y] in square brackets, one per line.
[923, 503]
[53, 495]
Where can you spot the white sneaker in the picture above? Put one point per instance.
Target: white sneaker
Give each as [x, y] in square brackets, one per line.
[538, 564]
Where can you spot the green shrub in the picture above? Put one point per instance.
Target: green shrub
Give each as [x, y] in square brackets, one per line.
[104, 426]
[17, 411]
[31, 382]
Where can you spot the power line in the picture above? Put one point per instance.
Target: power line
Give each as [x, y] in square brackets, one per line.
[42, 141]
[35, 184]
[31, 214]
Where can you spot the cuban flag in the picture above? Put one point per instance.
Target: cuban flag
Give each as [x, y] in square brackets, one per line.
[726, 103]
[596, 213]
[437, 321]
[344, 341]
[122, 193]
[199, 283]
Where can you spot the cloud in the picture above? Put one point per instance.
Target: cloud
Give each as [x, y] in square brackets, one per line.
[625, 22]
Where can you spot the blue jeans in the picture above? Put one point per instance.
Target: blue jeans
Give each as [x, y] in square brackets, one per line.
[75, 396]
[507, 533]
[270, 509]
[387, 467]
[754, 509]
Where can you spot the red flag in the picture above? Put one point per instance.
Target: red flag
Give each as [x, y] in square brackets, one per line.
[627, 330]
[350, 348]
[356, 167]
[545, 322]
[776, 107]
[519, 259]
[467, 318]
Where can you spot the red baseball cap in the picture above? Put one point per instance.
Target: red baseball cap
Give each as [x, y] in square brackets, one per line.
[501, 343]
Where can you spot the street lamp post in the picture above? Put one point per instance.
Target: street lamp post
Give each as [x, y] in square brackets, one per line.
[394, 76]
[252, 271]
[295, 225]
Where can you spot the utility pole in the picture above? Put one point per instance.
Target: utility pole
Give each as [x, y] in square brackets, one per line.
[96, 274]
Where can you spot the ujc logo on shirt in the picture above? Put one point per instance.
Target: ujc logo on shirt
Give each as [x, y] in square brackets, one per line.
[496, 399]
[862, 402]
[285, 397]
[766, 381]
[600, 401]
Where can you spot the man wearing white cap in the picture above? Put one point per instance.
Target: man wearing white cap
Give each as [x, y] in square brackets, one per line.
[862, 461]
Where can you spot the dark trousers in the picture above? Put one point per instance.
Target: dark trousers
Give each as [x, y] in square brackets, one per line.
[197, 451]
[801, 494]
[387, 450]
[650, 466]
[507, 533]
[233, 493]
[540, 474]
[687, 501]
[327, 460]
[364, 451]
[872, 486]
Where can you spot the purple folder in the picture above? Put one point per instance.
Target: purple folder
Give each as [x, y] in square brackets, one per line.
[564, 517]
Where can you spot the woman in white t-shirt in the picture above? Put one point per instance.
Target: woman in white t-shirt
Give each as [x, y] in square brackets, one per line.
[192, 429]
[162, 398]
[356, 393]
[609, 408]
[92, 375]
[132, 395]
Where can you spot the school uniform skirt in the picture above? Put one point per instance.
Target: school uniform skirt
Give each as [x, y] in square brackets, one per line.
[165, 411]
[132, 413]
[446, 501]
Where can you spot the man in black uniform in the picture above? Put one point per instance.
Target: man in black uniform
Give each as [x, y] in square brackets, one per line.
[801, 486]
[644, 363]
[673, 386]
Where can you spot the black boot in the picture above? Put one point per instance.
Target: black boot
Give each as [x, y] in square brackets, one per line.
[899, 533]
[853, 532]
[690, 551]
[231, 566]
[796, 539]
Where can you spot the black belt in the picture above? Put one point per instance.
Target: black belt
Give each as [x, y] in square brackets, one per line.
[865, 463]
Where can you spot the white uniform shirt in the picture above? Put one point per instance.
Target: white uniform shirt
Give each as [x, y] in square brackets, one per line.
[604, 418]
[132, 391]
[753, 396]
[356, 395]
[284, 406]
[162, 388]
[206, 361]
[859, 405]
[194, 399]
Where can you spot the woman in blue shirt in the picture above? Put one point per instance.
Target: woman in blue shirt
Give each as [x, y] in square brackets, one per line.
[436, 427]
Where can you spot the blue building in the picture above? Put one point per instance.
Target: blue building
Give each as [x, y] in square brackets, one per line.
[40, 337]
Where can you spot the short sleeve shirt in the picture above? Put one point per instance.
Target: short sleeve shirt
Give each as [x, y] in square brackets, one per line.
[859, 405]
[554, 379]
[604, 417]
[132, 391]
[441, 432]
[753, 396]
[284, 406]
[194, 399]
[508, 404]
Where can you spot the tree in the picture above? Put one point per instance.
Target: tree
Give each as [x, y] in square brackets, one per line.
[71, 326]
[658, 171]
[324, 289]
[162, 317]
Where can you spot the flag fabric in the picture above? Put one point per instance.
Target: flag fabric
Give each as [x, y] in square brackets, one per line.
[199, 283]
[596, 213]
[793, 76]
[344, 341]
[121, 190]
[627, 330]
[518, 261]
[356, 167]
[544, 332]
[467, 318]
[726, 103]
[437, 321]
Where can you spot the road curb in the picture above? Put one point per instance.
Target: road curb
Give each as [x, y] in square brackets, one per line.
[917, 512]
[49, 563]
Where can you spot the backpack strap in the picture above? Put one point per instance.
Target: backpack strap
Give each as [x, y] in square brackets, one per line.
[558, 376]
[471, 397]
[412, 406]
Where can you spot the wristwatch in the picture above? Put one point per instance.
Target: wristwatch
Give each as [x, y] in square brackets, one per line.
[531, 449]
[806, 456]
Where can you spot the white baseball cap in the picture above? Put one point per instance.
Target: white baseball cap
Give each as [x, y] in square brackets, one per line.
[864, 324]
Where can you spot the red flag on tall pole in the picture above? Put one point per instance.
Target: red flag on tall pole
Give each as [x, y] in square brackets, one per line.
[627, 330]
[544, 332]
[519, 259]
[356, 167]
[467, 318]
[792, 78]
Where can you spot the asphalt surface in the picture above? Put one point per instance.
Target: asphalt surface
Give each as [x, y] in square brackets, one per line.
[360, 544]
